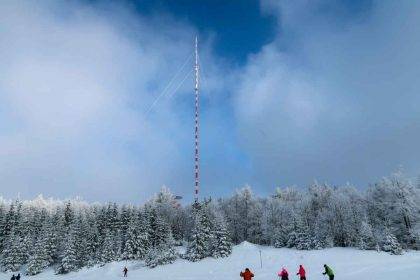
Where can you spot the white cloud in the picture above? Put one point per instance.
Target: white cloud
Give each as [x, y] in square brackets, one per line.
[330, 98]
[333, 96]
[75, 83]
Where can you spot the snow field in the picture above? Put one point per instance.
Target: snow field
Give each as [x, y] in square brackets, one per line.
[347, 264]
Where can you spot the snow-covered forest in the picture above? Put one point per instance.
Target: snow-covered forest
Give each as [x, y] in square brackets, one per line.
[69, 235]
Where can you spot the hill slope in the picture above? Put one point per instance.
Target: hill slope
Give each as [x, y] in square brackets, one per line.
[347, 264]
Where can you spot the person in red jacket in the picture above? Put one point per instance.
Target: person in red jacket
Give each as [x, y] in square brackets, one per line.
[247, 274]
[283, 274]
[301, 273]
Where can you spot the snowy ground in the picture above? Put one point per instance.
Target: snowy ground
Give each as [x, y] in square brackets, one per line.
[346, 263]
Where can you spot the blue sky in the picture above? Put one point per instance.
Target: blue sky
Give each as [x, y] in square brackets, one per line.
[238, 27]
[292, 92]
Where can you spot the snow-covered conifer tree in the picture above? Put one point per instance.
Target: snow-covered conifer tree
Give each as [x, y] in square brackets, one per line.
[161, 240]
[68, 215]
[45, 249]
[40, 259]
[69, 261]
[221, 245]
[137, 243]
[13, 253]
[366, 240]
[81, 230]
[143, 242]
[199, 245]
[160, 255]
[303, 239]
[108, 253]
[279, 238]
[390, 244]
[93, 245]
[131, 246]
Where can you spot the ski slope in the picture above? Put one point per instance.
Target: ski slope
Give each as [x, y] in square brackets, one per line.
[347, 264]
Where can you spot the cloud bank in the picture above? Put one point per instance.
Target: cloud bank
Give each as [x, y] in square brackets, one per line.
[333, 98]
[76, 82]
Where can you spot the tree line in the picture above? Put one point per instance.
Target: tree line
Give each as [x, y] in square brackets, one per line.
[73, 234]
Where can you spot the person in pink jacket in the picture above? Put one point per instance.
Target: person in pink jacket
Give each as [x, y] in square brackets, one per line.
[301, 273]
[283, 274]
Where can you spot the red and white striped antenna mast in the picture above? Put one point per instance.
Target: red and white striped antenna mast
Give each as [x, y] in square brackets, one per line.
[196, 132]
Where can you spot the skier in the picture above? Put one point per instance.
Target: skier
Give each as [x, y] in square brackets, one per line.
[13, 277]
[247, 274]
[18, 276]
[125, 271]
[301, 273]
[329, 272]
[283, 274]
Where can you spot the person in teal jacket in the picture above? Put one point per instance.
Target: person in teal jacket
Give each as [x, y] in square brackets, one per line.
[329, 272]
